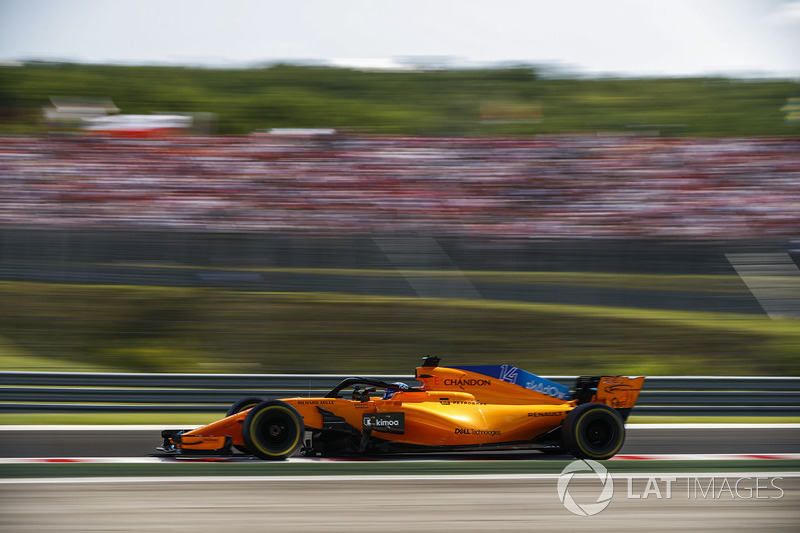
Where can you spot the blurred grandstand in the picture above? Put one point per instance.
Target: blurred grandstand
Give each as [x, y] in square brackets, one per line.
[557, 186]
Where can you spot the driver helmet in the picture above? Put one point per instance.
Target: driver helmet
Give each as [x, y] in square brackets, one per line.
[393, 389]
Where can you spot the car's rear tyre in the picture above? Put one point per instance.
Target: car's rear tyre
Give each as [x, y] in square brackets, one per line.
[273, 430]
[243, 405]
[593, 431]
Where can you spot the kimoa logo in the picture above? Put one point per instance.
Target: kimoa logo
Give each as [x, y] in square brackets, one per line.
[380, 422]
[384, 422]
[593, 468]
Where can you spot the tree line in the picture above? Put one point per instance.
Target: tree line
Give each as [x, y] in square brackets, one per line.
[473, 102]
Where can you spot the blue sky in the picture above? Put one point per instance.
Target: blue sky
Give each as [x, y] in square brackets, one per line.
[624, 37]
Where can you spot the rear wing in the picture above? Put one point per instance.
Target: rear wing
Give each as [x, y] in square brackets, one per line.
[617, 392]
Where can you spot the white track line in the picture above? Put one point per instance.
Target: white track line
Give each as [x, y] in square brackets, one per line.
[68, 460]
[702, 456]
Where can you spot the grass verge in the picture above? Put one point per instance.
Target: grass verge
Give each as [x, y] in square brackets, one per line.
[714, 284]
[215, 330]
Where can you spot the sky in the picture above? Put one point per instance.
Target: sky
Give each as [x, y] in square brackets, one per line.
[592, 37]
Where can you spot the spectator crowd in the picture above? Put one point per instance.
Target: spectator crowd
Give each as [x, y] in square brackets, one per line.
[536, 187]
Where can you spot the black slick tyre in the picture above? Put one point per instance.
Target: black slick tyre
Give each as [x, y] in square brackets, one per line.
[273, 430]
[593, 431]
[243, 405]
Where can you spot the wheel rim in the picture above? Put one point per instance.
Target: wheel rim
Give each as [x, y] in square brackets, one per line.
[600, 433]
[278, 431]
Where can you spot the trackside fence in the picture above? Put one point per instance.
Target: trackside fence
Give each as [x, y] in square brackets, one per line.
[43, 392]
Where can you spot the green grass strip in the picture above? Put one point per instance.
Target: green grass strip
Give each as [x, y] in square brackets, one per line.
[693, 319]
[162, 329]
[663, 282]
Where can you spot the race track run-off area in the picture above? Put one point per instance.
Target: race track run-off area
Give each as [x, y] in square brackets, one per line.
[735, 477]
[457, 503]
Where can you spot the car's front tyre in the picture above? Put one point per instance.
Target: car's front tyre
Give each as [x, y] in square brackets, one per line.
[243, 405]
[273, 430]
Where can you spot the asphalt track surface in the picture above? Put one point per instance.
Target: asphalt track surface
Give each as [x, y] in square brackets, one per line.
[466, 504]
[424, 503]
[723, 439]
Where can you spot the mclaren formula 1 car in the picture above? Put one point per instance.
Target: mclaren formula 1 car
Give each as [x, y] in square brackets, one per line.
[455, 408]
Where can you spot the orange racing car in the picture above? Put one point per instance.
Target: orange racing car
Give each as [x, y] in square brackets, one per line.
[455, 408]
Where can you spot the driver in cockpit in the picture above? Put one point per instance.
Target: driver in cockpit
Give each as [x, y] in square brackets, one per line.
[393, 389]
